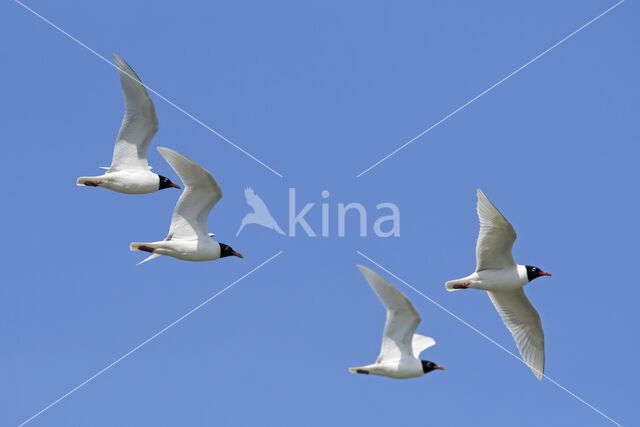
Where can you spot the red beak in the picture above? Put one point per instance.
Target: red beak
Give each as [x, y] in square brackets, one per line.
[544, 273]
[174, 185]
[439, 367]
[238, 254]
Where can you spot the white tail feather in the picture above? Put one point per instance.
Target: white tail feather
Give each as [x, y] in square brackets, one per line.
[149, 258]
[135, 246]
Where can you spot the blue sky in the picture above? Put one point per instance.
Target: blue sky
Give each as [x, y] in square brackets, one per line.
[319, 91]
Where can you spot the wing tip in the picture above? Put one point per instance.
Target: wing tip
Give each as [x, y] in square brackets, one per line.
[481, 194]
[167, 152]
[120, 63]
[539, 374]
[164, 151]
[364, 270]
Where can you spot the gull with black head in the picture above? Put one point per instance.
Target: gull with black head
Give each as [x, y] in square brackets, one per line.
[130, 172]
[188, 237]
[503, 279]
[401, 346]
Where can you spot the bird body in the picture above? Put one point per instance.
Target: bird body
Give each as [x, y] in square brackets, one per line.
[503, 279]
[187, 250]
[401, 346]
[188, 237]
[400, 370]
[128, 181]
[129, 172]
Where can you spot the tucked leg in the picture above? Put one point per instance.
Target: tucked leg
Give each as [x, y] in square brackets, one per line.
[92, 183]
[464, 285]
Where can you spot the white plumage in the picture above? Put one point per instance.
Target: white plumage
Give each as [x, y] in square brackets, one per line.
[188, 237]
[129, 171]
[495, 239]
[524, 323]
[401, 346]
[497, 273]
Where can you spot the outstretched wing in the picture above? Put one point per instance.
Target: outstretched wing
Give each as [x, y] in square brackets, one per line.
[402, 318]
[496, 237]
[524, 324]
[201, 193]
[420, 343]
[139, 125]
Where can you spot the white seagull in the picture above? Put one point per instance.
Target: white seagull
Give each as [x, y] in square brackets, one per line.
[401, 346]
[260, 214]
[188, 238]
[497, 273]
[129, 172]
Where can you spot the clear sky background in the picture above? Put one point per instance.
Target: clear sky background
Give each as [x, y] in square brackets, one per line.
[319, 91]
